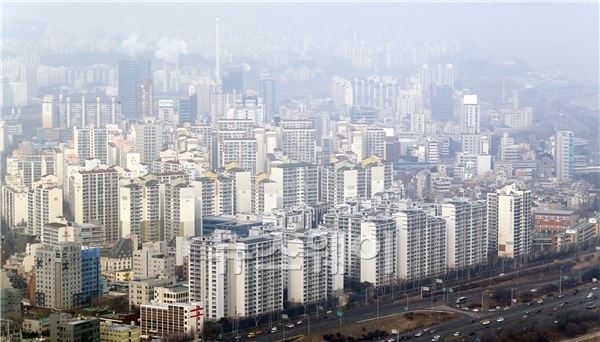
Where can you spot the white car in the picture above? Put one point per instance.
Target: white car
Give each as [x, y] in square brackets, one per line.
[594, 288]
[500, 319]
[475, 310]
[456, 334]
[486, 322]
[418, 333]
[533, 290]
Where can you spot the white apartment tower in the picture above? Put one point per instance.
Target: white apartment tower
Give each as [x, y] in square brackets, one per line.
[315, 265]
[470, 116]
[95, 198]
[179, 214]
[466, 232]
[421, 244]
[141, 208]
[236, 277]
[378, 249]
[297, 183]
[298, 141]
[91, 143]
[509, 221]
[239, 151]
[564, 155]
[149, 140]
[45, 204]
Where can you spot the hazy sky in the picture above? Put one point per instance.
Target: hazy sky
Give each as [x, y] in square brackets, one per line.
[543, 34]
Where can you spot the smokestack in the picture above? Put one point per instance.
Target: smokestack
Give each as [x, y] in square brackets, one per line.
[217, 62]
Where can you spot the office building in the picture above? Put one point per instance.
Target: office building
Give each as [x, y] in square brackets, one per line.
[133, 72]
[168, 294]
[112, 332]
[153, 260]
[268, 91]
[65, 328]
[58, 276]
[91, 281]
[442, 104]
[141, 291]
[163, 320]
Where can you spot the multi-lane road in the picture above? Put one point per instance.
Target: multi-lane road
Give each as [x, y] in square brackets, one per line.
[470, 328]
[468, 324]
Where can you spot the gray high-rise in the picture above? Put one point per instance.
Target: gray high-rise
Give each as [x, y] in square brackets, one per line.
[133, 72]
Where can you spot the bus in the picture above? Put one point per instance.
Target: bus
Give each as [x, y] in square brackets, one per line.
[461, 300]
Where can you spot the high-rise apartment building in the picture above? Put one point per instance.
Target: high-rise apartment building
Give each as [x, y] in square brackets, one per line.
[297, 183]
[298, 140]
[421, 244]
[140, 208]
[564, 155]
[315, 268]
[378, 251]
[236, 277]
[509, 216]
[95, 198]
[239, 151]
[90, 143]
[470, 115]
[70, 111]
[149, 140]
[45, 204]
[466, 232]
[179, 214]
[343, 219]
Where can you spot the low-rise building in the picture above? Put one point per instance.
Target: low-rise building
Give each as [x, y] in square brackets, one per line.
[111, 332]
[141, 291]
[171, 319]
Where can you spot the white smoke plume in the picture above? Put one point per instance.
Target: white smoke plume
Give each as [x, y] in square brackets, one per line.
[132, 45]
[170, 48]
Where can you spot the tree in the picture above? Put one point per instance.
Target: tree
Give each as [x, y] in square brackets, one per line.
[591, 273]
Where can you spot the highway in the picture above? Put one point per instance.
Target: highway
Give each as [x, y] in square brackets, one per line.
[539, 315]
[467, 323]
